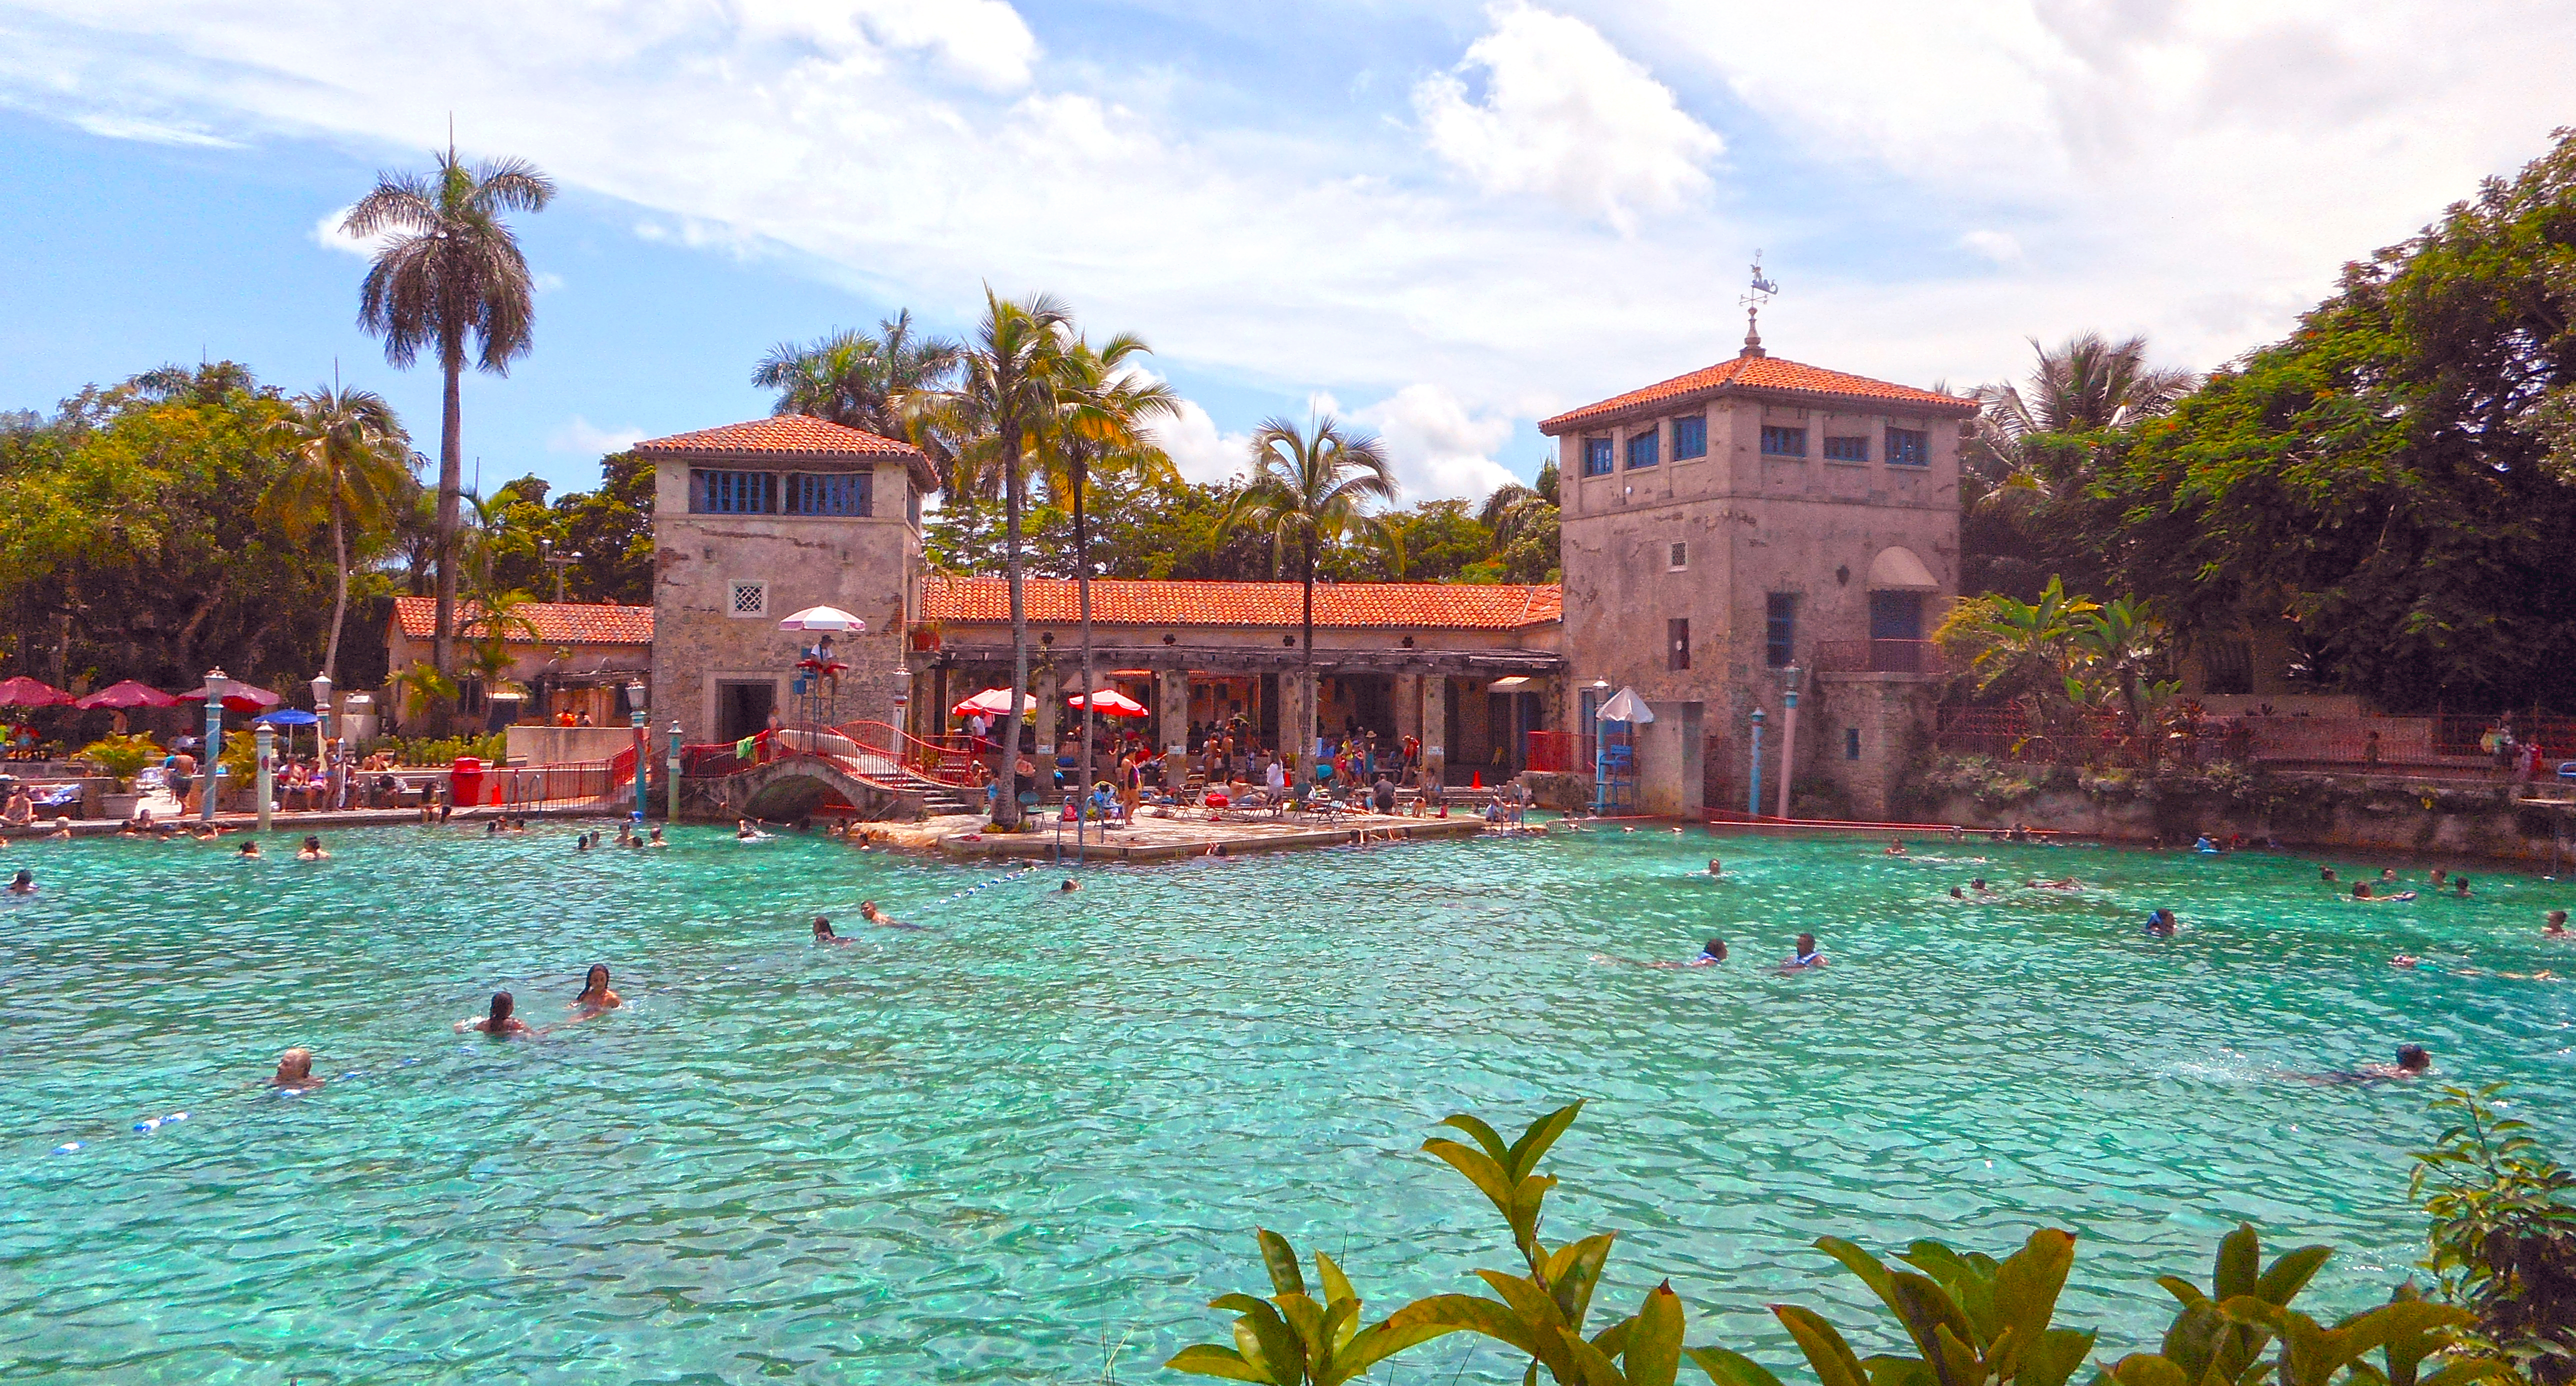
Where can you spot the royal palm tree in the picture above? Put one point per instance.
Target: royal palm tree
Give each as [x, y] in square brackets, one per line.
[348, 467]
[1005, 396]
[886, 383]
[2081, 387]
[1309, 486]
[1102, 424]
[449, 269]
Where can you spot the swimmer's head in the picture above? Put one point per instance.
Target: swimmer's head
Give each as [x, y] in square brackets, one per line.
[868, 909]
[1958, 894]
[1712, 866]
[24, 880]
[501, 1007]
[595, 981]
[1977, 883]
[1714, 948]
[1070, 885]
[2325, 873]
[822, 927]
[312, 843]
[2414, 1058]
[1806, 944]
[2558, 921]
[250, 849]
[295, 1065]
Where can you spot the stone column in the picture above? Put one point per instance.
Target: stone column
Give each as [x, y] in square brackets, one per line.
[1408, 706]
[1172, 703]
[1435, 729]
[1050, 703]
[1297, 723]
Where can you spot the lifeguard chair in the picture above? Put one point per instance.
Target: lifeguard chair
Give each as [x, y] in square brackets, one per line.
[1614, 755]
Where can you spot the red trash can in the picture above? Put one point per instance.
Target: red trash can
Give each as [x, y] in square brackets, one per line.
[465, 781]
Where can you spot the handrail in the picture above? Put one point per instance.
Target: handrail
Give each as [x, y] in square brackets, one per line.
[931, 761]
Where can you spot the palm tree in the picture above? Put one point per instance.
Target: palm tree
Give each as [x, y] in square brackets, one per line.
[1101, 425]
[2119, 648]
[1006, 395]
[348, 466]
[449, 269]
[2083, 386]
[1308, 486]
[884, 383]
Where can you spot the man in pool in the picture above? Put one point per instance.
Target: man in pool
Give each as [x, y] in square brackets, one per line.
[1070, 886]
[311, 850]
[2160, 924]
[1711, 954]
[2413, 1061]
[250, 850]
[24, 883]
[868, 911]
[295, 1072]
[2361, 894]
[2557, 925]
[500, 1023]
[1895, 847]
[2460, 887]
[2327, 874]
[1806, 957]
[823, 933]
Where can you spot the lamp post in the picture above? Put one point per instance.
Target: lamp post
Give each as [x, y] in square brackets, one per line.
[635, 712]
[215, 686]
[331, 768]
[1788, 738]
[558, 561]
[1600, 745]
[1753, 801]
[673, 814]
[266, 740]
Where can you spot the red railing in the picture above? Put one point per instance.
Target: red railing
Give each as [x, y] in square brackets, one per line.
[1880, 657]
[946, 761]
[572, 784]
[1559, 752]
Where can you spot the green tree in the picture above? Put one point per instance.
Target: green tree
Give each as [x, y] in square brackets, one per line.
[348, 468]
[1006, 395]
[1310, 485]
[612, 529]
[449, 270]
[888, 383]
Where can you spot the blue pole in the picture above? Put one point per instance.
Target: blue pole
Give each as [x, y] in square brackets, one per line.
[1753, 801]
[215, 683]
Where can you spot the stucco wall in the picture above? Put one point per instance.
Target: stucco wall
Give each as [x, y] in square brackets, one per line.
[864, 566]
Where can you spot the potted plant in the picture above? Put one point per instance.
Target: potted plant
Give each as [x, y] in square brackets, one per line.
[120, 758]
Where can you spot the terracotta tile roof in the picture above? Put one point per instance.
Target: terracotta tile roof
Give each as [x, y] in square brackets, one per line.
[556, 623]
[782, 435]
[1117, 601]
[1763, 375]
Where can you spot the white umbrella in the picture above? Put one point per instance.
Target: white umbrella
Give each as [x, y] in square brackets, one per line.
[825, 618]
[1626, 706]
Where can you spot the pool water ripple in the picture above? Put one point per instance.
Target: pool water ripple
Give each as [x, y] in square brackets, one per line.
[1041, 1128]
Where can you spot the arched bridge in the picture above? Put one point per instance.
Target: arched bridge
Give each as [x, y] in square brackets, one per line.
[800, 771]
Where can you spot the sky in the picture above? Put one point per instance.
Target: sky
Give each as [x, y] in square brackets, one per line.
[1444, 220]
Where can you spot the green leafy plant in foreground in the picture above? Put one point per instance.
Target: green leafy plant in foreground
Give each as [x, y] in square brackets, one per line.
[2503, 1238]
[1971, 1320]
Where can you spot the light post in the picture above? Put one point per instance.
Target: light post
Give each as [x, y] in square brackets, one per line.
[216, 682]
[558, 561]
[1600, 745]
[331, 769]
[1753, 801]
[1788, 738]
[635, 711]
[673, 815]
[266, 740]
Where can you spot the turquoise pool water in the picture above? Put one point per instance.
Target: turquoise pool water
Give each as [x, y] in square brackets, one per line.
[1035, 1136]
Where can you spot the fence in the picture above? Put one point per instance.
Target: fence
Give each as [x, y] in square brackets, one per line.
[1880, 657]
[1559, 752]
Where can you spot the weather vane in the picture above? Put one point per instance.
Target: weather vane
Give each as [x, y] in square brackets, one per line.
[1760, 293]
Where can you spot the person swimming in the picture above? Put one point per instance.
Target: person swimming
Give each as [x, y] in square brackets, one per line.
[656, 839]
[1895, 847]
[744, 832]
[500, 1023]
[2405, 960]
[1711, 954]
[2204, 845]
[2460, 887]
[581, 843]
[311, 850]
[2326, 873]
[823, 933]
[2161, 924]
[24, 883]
[1714, 868]
[1958, 894]
[1070, 886]
[2361, 893]
[2557, 925]
[2413, 1061]
[1807, 955]
[595, 993]
[250, 850]
[868, 911]
[295, 1072]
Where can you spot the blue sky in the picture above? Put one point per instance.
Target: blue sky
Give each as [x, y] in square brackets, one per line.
[1447, 219]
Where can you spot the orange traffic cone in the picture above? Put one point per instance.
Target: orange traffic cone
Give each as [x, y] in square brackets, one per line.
[1479, 780]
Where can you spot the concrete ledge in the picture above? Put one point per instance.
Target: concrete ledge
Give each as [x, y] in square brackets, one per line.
[1143, 843]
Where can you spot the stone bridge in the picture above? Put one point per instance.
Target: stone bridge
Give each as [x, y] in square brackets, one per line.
[793, 787]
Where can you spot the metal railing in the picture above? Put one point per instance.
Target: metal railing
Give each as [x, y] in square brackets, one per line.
[1880, 657]
[571, 785]
[1559, 752]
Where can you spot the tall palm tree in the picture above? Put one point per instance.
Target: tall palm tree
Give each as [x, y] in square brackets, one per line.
[2084, 385]
[449, 269]
[884, 382]
[348, 466]
[1005, 396]
[1102, 425]
[1311, 485]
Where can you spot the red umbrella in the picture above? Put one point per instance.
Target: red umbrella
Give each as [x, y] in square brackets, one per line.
[23, 691]
[1109, 702]
[238, 697]
[128, 694]
[992, 702]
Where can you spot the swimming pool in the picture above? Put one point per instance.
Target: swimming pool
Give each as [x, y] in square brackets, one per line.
[1038, 1133]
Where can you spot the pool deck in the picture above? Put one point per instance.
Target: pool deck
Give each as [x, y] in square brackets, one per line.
[1165, 839]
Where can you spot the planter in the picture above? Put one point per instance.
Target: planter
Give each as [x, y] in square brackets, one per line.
[116, 808]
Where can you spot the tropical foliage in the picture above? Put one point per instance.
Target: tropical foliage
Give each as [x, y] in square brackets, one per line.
[2060, 657]
[1968, 1318]
[348, 470]
[2504, 1234]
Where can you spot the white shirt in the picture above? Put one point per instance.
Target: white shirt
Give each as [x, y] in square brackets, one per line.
[1276, 778]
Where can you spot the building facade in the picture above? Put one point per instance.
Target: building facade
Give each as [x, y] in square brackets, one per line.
[754, 521]
[1724, 527]
[574, 658]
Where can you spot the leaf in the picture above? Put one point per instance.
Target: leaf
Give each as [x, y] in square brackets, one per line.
[1466, 1313]
[1281, 1259]
[2028, 1282]
[1378, 1342]
[1887, 1369]
[1927, 1310]
[2240, 1255]
[2182, 1290]
[1481, 1169]
[1957, 1363]
[1827, 1353]
[1654, 1350]
[1727, 1368]
[1208, 1359]
[1485, 1136]
[2290, 1274]
[1525, 1298]
[2147, 1369]
[1872, 1271]
[1574, 1272]
[1337, 1286]
[1542, 1133]
[2054, 1357]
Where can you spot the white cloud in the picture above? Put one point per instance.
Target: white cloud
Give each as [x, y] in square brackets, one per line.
[983, 41]
[1199, 448]
[546, 282]
[108, 125]
[1567, 116]
[328, 235]
[582, 438]
[1439, 447]
[2002, 247]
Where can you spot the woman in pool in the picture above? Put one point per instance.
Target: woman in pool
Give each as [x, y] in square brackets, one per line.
[500, 1024]
[595, 994]
[823, 933]
[311, 850]
[1895, 847]
[250, 850]
[295, 1072]
[1807, 956]
[24, 883]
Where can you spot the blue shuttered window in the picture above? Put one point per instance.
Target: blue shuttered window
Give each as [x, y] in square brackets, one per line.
[1690, 437]
[1847, 449]
[1596, 457]
[1641, 450]
[813, 493]
[732, 493]
[1784, 442]
[1909, 447]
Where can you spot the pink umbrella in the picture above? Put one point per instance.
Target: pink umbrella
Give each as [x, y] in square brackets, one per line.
[992, 702]
[23, 691]
[128, 694]
[1109, 702]
[238, 697]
